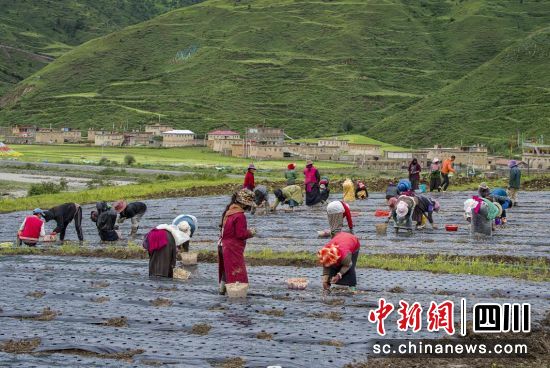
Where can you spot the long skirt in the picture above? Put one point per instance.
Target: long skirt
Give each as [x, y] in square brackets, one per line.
[231, 265]
[313, 196]
[349, 278]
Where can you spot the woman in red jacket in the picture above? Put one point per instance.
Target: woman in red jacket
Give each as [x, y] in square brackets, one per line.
[249, 178]
[32, 229]
[339, 257]
[234, 233]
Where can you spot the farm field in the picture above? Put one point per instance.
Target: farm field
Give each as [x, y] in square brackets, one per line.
[174, 157]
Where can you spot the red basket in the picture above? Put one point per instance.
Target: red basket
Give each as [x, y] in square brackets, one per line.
[451, 227]
[381, 213]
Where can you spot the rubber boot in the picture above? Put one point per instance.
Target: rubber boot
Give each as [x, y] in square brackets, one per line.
[222, 289]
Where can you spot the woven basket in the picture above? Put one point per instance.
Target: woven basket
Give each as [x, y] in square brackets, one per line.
[237, 290]
[297, 283]
[188, 259]
[382, 229]
[181, 274]
[49, 238]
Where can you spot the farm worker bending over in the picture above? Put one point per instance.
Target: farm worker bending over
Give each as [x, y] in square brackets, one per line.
[291, 195]
[162, 245]
[249, 178]
[425, 206]
[391, 191]
[339, 258]
[105, 219]
[514, 182]
[133, 211]
[193, 227]
[324, 189]
[32, 229]
[63, 215]
[361, 191]
[261, 198]
[311, 182]
[290, 174]
[402, 213]
[348, 190]
[446, 170]
[336, 211]
[234, 233]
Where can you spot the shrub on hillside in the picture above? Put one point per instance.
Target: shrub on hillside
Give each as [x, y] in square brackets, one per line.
[129, 160]
[47, 188]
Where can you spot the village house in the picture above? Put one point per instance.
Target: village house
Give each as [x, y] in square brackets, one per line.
[157, 129]
[537, 156]
[312, 151]
[224, 146]
[466, 156]
[91, 136]
[403, 158]
[138, 139]
[265, 135]
[216, 136]
[178, 138]
[258, 151]
[342, 144]
[366, 150]
[108, 139]
[22, 134]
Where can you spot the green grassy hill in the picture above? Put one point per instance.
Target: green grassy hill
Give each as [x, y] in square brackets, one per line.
[405, 72]
[33, 32]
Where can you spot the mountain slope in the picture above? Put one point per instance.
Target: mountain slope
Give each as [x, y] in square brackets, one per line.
[314, 68]
[30, 29]
[507, 95]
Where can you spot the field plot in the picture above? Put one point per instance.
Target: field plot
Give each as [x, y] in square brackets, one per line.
[92, 311]
[525, 235]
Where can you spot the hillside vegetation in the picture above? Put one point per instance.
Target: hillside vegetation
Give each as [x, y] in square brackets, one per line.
[404, 72]
[33, 33]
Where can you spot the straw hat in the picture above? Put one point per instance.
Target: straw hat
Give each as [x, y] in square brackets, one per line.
[120, 206]
[328, 255]
[392, 202]
[188, 219]
[435, 160]
[251, 167]
[309, 162]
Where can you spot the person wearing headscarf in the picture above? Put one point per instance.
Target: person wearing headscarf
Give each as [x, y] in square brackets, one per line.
[348, 190]
[63, 215]
[133, 211]
[514, 181]
[392, 202]
[414, 173]
[402, 213]
[190, 229]
[339, 259]
[32, 229]
[105, 218]
[336, 211]
[291, 195]
[163, 242]
[234, 233]
[361, 191]
[261, 198]
[404, 186]
[483, 190]
[249, 178]
[290, 174]
[425, 207]
[435, 175]
[311, 182]
[324, 189]
[499, 196]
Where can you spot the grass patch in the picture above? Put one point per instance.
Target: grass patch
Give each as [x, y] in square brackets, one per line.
[38, 294]
[116, 322]
[182, 187]
[46, 315]
[20, 346]
[335, 316]
[161, 302]
[264, 335]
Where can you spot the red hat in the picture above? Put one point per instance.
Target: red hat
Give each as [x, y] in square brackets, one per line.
[328, 255]
[291, 166]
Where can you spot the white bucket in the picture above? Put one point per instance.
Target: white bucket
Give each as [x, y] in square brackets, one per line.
[237, 290]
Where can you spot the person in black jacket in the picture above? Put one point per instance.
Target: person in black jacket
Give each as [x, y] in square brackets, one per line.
[63, 215]
[133, 211]
[105, 219]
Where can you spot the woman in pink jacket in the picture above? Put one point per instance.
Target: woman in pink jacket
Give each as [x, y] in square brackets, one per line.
[311, 181]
